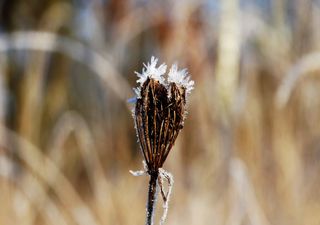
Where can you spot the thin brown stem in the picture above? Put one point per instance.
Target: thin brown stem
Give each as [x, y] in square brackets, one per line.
[152, 197]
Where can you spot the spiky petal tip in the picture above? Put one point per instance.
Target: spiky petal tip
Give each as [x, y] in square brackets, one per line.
[152, 71]
[181, 78]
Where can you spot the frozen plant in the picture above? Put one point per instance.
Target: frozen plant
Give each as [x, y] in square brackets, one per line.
[159, 114]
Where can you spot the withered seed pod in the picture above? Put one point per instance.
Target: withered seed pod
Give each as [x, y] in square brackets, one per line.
[159, 118]
[159, 114]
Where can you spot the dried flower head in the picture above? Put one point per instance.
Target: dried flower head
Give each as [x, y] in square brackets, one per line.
[160, 110]
[159, 115]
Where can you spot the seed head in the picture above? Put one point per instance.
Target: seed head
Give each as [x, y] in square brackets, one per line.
[160, 110]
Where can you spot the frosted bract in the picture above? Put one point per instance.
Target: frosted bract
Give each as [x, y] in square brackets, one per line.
[181, 78]
[152, 71]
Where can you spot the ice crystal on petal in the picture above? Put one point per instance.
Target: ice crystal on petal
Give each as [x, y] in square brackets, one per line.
[152, 71]
[181, 78]
[137, 92]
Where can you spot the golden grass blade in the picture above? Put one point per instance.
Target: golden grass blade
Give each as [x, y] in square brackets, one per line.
[43, 167]
[46, 41]
[27, 187]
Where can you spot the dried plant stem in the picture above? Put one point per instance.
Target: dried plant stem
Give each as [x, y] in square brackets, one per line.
[156, 182]
[152, 198]
[159, 115]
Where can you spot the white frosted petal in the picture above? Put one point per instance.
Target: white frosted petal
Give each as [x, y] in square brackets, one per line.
[181, 78]
[152, 71]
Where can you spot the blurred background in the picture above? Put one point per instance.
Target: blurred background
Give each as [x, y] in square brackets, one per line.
[249, 153]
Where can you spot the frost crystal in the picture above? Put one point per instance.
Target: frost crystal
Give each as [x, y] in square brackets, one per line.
[137, 92]
[150, 70]
[181, 78]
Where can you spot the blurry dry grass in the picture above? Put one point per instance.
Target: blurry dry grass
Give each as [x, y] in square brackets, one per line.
[250, 150]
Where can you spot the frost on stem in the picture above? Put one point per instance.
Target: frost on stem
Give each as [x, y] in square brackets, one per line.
[165, 196]
[154, 185]
[140, 172]
[159, 115]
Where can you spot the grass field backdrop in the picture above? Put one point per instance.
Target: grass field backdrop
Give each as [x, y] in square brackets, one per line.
[249, 153]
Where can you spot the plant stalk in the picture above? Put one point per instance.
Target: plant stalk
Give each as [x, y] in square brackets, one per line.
[152, 198]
